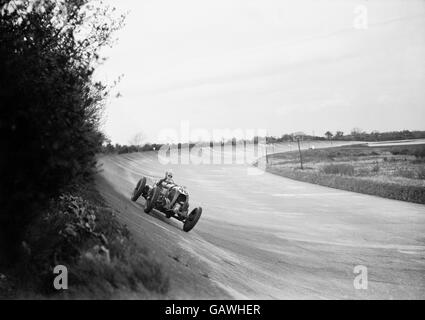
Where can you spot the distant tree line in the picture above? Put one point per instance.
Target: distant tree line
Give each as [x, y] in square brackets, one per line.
[354, 135]
[359, 135]
[110, 148]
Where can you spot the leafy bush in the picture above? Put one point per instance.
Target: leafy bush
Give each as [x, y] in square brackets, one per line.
[98, 251]
[50, 105]
[342, 169]
[414, 150]
[418, 173]
[363, 172]
[399, 151]
[405, 173]
[421, 173]
[420, 152]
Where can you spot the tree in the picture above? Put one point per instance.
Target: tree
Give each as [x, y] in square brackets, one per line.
[375, 135]
[356, 131]
[407, 134]
[328, 135]
[137, 140]
[339, 134]
[50, 104]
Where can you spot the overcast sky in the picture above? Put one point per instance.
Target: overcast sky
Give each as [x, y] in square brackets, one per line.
[284, 66]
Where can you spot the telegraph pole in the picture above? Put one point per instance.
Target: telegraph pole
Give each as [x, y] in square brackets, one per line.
[267, 156]
[299, 150]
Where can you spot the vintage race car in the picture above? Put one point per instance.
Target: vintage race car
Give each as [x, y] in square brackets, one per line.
[168, 198]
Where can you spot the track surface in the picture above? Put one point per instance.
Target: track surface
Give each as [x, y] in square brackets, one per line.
[264, 236]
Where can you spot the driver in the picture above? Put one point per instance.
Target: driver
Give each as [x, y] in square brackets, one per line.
[167, 179]
[170, 194]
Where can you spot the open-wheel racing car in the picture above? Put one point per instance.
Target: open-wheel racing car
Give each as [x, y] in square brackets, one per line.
[168, 198]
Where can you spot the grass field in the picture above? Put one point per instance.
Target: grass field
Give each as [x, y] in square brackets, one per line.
[396, 172]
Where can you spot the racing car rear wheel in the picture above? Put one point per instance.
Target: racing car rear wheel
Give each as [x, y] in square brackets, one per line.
[192, 219]
[139, 189]
[150, 201]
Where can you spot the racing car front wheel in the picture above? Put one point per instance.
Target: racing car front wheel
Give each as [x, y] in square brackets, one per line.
[150, 201]
[192, 219]
[139, 189]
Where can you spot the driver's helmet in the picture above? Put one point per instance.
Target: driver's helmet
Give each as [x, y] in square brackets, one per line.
[169, 175]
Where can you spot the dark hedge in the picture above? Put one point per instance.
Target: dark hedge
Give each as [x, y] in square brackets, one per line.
[50, 107]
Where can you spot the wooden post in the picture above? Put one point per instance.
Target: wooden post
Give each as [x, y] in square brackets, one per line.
[301, 157]
[267, 156]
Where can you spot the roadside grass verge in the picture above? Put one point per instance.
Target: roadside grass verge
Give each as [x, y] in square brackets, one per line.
[355, 184]
[390, 172]
[80, 232]
[342, 168]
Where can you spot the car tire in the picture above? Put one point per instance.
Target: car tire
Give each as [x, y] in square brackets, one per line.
[139, 189]
[192, 219]
[150, 202]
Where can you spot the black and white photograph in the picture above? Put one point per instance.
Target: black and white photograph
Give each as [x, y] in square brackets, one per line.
[212, 150]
